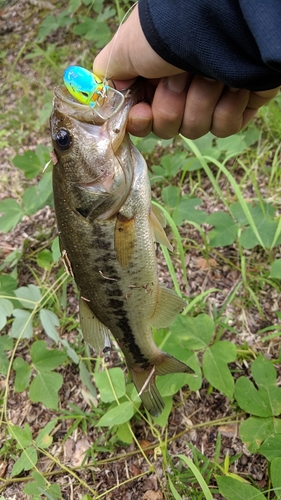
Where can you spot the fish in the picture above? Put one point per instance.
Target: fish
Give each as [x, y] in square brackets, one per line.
[107, 230]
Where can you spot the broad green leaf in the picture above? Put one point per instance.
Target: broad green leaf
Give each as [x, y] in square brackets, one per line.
[265, 221]
[254, 431]
[172, 164]
[145, 144]
[6, 309]
[193, 333]
[7, 284]
[271, 447]
[44, 359]
[266, 229]
[56, 249]
[117, 415]
[264, 373]
[50, 323]
[13, 213]
[189, 357]
[22, 324]
[4, 363]
[45, 259]
[202, 143]
[44, 389]
[6, 343]
[124, 434]
[111, 384]
[30, 295]
[275, 476]
[29, 163]
[86, 378]
[232, 489]
[170, 384]
[32, 488]
[43, 154]
[48, 25]
[186, 211]
[44, 439]
[23, 374]
[225, 229]
[53, 491]
[275, 269]
[94, 31]
[28, 460]
[32, 200]
[232, 145]
[251, 135]
[69, 351]
[22, 436]
[171, 196]
[264, 401]
[216, 371]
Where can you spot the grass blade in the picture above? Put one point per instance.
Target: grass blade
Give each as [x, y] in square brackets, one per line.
[198, 476]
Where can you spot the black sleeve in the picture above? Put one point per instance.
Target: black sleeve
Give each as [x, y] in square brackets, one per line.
[237, 42]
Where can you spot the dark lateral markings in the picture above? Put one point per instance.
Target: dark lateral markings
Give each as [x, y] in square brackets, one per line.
[128, 341]
[116, 304]
[101, 243]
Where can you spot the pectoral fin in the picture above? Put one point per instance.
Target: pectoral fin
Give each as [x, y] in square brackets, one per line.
[169, 305]
[94, 331]
[159, 233]
[124, 239]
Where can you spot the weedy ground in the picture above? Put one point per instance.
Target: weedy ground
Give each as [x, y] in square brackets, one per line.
[71, 425]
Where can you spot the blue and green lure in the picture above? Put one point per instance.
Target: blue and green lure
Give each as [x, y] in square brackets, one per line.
[89, 89]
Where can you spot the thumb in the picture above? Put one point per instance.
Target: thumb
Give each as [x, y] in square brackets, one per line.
[129, 55]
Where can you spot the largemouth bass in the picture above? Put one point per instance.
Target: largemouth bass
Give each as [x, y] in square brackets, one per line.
[107, 231]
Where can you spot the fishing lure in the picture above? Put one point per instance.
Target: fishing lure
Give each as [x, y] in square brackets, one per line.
[89, 89]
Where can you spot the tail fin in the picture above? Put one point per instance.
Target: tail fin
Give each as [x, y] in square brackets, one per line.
[144, 381]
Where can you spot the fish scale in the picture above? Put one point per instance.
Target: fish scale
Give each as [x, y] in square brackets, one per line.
[107, 231]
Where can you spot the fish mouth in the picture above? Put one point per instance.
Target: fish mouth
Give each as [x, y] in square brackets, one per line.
[69, 106]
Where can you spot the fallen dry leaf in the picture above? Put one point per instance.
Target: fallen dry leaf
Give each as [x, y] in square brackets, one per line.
[79, 454]
[152, 495]
[3, 467]
[68, 449]
[135, 470]
[203, 264]
[228, 430]
[145, 444]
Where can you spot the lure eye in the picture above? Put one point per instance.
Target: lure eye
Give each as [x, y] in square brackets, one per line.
[63, 139]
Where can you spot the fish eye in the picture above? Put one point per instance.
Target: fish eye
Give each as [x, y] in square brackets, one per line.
[63, 139]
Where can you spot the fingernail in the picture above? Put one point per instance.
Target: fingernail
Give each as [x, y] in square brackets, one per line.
[177, 83]
[233, 89]
[138, 124]
[208, 79]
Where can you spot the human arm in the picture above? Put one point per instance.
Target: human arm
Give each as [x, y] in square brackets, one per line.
[177, 100]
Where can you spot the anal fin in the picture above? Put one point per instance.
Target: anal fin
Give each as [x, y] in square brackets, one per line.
[169, 305]
[94, 331]
[169, 364]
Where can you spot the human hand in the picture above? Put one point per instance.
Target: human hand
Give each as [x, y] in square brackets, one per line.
[176, 101]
